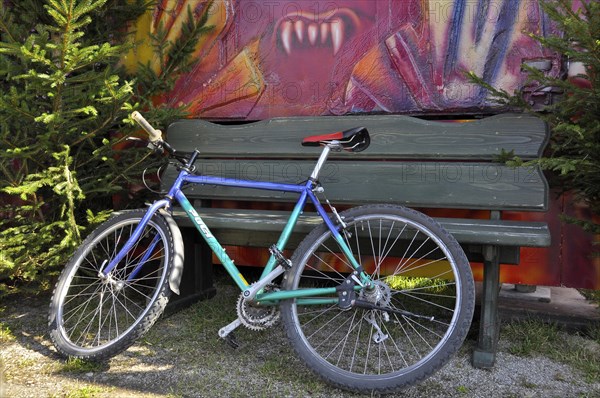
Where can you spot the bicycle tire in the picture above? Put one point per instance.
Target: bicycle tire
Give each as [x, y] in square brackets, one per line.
[416, 266]
[96, 318]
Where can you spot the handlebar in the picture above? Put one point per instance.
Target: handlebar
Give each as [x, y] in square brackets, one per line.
[156, 142]
[155, 135]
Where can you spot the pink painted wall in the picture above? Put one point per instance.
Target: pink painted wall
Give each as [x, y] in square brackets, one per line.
[274, 58]
[264, 59]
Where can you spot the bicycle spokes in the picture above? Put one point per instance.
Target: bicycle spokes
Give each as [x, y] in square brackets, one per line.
[98, 308]
[406, 316]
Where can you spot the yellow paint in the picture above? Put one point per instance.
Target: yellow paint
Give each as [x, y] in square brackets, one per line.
[219, 16]
[142, 50]
[243, 279]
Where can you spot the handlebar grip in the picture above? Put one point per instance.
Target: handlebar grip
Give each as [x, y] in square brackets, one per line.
[155, 135]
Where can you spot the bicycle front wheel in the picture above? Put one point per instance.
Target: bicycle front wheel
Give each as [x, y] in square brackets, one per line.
[95, 316]
[409, 324]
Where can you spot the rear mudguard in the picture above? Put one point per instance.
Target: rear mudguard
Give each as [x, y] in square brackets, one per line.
[178, 257]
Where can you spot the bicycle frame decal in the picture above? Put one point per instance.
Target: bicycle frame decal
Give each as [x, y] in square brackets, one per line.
[200, 224]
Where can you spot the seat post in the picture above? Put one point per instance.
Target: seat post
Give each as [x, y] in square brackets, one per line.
[322, 159]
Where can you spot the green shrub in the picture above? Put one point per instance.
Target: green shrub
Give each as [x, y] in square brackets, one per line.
[64, 109]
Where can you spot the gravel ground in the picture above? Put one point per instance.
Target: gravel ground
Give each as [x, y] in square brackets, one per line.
[182, 357]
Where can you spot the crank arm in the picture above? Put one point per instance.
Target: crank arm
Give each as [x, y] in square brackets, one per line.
[371, 306]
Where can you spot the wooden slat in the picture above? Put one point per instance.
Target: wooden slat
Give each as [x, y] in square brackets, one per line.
[235, 226]
[415, 184]
[393, 137]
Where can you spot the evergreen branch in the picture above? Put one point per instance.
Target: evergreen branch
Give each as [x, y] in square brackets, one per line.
[131, 167]
[191, 32]
[4, 26]
[574, 150]
[64, 95]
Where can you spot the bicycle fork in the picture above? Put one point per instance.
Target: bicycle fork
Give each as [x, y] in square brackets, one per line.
[176, 262]
[135, 236]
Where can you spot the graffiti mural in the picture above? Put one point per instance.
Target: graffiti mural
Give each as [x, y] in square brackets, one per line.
[290, 58]
[264, 59]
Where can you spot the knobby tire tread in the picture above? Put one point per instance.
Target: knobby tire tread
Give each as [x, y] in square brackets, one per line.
[144, 324]
[392, 384]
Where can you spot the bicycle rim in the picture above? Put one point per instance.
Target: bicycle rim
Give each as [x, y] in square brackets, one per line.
[419, 273]
[94, 312]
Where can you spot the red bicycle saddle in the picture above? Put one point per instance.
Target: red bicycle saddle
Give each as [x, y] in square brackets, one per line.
[354, 140]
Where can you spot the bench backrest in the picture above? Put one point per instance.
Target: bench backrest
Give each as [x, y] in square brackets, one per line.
[410, 161]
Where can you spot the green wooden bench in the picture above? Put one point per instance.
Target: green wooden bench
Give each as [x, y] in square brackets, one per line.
[417, 163]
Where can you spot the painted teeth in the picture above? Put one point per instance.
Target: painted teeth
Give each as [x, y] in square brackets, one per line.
[286, 36]
[324, 32]
[313, 32]
[299, 27]
[303, 33]
[337, 34]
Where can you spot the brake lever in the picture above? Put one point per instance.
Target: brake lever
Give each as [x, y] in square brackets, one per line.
[149, 144]
[137, 139]
[168, 148]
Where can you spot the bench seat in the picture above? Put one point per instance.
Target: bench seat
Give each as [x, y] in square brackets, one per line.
[412, 162]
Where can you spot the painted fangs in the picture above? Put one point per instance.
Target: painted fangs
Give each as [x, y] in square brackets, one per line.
[337, 34]
[289, 29]
[299, 27]
[324, 32]
[313, 32]
[303, 29]
[286, 36]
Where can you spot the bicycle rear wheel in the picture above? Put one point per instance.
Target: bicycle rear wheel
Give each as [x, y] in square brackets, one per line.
[95, 317]
[409, 324]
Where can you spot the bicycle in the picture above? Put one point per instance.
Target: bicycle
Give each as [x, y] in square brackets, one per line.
[376, 298]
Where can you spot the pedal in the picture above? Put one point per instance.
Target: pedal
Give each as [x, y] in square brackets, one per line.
[231, 341]
[226, 333]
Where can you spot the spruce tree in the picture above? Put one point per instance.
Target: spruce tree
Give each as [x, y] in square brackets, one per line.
[64, 109]
[60, 92]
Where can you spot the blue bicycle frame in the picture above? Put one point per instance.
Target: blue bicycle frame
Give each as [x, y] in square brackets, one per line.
[271, 270]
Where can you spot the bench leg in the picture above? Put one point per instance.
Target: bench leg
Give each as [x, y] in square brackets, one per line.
[484, 354]
[197, 279]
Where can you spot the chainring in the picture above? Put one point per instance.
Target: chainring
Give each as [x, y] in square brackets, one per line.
[256, 317]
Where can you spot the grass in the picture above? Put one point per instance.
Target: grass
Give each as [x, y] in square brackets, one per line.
[83, 392]
[532, 337]
[192, 332]
[6, 335]
[408, 283]
[77, 365]
[183, 352]
[190, 338]
[594, 333]
[591, 295]
[527, 384]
